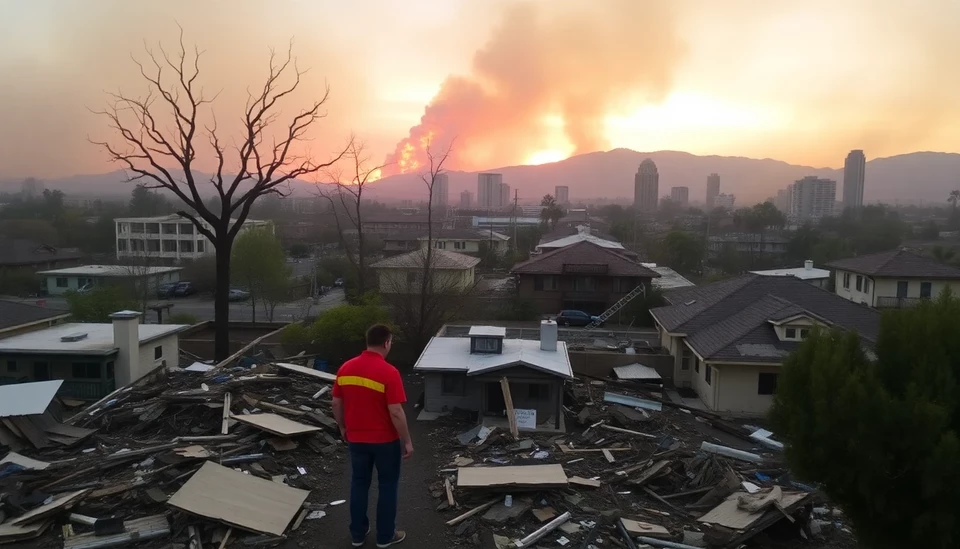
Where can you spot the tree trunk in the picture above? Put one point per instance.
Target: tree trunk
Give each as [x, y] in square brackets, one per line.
[221, 296]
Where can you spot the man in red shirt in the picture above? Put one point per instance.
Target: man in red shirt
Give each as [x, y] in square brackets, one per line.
[368, 402]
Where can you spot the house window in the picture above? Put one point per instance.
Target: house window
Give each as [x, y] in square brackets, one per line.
[926, 289]
[696, 365]
[767, 383]
[452, 384]
[186, 246]
[791, 333]
[441, 245]
[186, 228]
[804, 333]
[545, 283]
[122, 244]
[86, 370]
[846, 280]
[62, 282]
[459, 245]
[536, 391]
[170, 245]
[708, 374]
[685, 359]
[168, 228]
[902, 287]
[859, 283]
[158, 352]
[584, 284]
[866, 285]
[11, 365]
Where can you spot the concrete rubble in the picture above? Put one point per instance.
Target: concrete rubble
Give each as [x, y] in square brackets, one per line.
[641, 471]
[128, 473]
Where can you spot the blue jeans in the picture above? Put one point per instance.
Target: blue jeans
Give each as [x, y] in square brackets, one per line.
[386, 457]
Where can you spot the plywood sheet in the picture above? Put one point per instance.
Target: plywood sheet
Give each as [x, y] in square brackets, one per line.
[240, 500]
[728, 513]
[27, 399]
[24, 461]
[10, 533]
[59, 503]
[531, 477]
[640, 528]
[276, 424]
[307, 371]
[580, 481]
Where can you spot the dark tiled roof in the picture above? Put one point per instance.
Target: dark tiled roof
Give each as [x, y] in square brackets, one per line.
[16, 314]
[731, 319]
[18, 251]
[896, 263]
[583, 253]
[441, 259]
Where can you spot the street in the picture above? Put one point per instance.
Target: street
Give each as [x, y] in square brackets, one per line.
[202, 307]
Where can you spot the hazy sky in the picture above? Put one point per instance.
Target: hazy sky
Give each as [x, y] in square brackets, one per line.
[514, 81]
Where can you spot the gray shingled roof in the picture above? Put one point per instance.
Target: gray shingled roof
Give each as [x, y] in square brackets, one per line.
[19, 251]
[441, 259]
[17, 314]
[896, 263]
[731, 319]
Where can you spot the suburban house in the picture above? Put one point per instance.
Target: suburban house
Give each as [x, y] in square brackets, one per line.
[747, 243]
[390, 223]
[894, 279]
[61, 281]
[669, 279]
[169, 237]
[464, 241]
[92, 359]
[27, 255]
[818, 277]
[729, 339]
[467, 372]
[584, 276]
[17, 318]
[449, 271]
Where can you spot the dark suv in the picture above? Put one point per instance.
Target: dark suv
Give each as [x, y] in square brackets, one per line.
[166, 289]
[184, 289]
[575, 318]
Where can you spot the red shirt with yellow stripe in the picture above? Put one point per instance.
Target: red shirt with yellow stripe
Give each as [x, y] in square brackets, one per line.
[367, 384]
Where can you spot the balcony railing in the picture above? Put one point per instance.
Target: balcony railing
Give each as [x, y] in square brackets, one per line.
[899, 302]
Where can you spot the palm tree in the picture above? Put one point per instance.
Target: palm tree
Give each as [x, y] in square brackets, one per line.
[954, 198]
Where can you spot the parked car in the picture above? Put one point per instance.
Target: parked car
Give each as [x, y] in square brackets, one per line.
[338, 283]
[184, 289]
[166, 289]
[239, 295]
[572, 317]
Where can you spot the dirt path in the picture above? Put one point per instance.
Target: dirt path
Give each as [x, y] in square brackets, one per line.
[417, 513]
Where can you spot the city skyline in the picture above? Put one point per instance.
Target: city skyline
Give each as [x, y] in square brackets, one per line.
[689, 97]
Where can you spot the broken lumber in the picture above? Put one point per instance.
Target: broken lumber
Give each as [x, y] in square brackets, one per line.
[225, 426]
[259, 403]
[544, 530]
[471, 512]
[607, 454]
[508, 402]
[730, 452]
[627, 431]
[446, 484]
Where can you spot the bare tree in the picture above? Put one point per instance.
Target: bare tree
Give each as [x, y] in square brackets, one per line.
[346, 202]
[165, 128]
[432, 169]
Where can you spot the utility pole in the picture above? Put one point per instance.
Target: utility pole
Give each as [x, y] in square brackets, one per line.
[516, 198]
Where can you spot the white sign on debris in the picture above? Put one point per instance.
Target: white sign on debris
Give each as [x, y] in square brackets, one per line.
[526, 419]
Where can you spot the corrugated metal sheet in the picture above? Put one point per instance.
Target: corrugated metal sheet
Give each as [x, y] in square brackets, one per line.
[636, 371]
[632, 402]
[27, 399]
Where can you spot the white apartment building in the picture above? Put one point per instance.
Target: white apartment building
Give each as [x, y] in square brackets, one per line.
[167, 237]
[812, 198]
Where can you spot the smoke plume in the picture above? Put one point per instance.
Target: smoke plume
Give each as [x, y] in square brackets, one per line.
[547, 64]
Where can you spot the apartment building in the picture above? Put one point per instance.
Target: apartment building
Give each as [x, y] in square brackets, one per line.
[167, 237]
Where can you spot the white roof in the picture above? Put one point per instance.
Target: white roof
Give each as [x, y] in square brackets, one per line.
[581, 237]
[110, 270]
[494, 331]
[452, 354]
[27, 399]
[669, 279]
[99, 340]
[800, 272]
[636, 371]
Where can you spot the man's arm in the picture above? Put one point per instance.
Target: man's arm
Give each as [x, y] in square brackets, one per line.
[399, 419]
[338, 415]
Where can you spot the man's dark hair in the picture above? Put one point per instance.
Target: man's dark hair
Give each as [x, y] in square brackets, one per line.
[377, 335]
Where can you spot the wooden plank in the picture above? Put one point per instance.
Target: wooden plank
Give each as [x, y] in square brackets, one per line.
[607, 454]
[508, 401]
[135, 531]
[317, 374]
[446, 484]
[533, 477]
[259, 403]
[587, 482]
[10, 533]
[225, 426]
[24, 461]
[568, 450]
[277, 425]
[640, 528]
[242, 501]
[226, 537]
[627, 431]
[471, 512]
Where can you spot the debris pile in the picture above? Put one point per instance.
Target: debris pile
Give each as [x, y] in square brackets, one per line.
[193, 456]
[633, 470]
